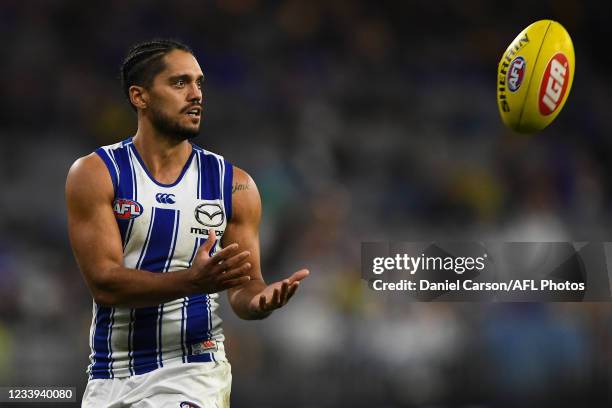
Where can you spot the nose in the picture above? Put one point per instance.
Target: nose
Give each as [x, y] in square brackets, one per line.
[195, 93]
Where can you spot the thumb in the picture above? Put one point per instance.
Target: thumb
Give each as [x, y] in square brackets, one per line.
[299, 275]
[210, 242]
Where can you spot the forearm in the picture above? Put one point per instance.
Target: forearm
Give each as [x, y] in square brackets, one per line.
[124, 287]
[241, 298]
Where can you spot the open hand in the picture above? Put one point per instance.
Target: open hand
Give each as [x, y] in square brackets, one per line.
[277, 294]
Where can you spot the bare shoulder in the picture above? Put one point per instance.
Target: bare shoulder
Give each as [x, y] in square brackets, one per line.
[246, 202]
[89, 177]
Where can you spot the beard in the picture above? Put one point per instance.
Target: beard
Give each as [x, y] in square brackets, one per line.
[167, 125]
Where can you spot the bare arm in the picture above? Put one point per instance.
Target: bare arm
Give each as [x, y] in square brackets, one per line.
[96, 243]
[255, 299]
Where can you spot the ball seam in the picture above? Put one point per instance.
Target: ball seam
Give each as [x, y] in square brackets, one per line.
[535, 64]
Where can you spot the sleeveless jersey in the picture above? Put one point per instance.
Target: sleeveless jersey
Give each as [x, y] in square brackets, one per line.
[161, 226]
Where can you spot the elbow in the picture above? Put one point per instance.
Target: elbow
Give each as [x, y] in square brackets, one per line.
[104, 298]
[101, 288]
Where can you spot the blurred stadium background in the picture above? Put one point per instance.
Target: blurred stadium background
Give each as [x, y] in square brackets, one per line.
[360, 121]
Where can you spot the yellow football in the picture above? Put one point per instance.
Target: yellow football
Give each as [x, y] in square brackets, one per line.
[535, 76]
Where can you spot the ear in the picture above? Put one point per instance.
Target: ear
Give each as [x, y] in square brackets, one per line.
[138, 96]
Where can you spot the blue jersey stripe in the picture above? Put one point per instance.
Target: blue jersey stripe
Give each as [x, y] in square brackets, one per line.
[125, 188]
[111, 154]
[161, 307]
[177, 215]
[145, 339]
[134, 183]
[209, 180]
[109, 165]
[137, 317]
[184, 315]
[126, 177]
[160, 240]
[130, 226]
[154, 258]
[147, 239]
[200, 358]
[221, 165]
[100, 367]
[196, 319]
[197, 322]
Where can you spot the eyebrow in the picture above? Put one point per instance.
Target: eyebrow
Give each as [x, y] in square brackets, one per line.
[185, 77]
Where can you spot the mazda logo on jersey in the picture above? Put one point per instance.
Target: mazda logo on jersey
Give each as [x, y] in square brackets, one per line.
[209, 214]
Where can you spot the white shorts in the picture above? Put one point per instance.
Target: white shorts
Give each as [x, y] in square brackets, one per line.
[203, 385]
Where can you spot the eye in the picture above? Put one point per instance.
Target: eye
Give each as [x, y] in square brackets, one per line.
[179, 83]
[199, 83]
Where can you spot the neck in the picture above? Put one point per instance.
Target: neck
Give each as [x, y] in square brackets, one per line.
[163, 155]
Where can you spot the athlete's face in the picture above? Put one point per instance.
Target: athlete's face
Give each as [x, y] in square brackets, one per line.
[175, 97]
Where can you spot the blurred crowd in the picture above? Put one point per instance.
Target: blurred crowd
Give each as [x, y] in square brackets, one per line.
[359, 121]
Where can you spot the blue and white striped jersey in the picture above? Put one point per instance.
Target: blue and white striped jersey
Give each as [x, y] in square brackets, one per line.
[161, 228]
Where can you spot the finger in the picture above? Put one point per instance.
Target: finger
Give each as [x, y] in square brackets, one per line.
[262, 302]
[210, 241]
[276, 298]
[299, 275]
[223, 266]
[232, 283]
[224, 253]
[234, 273]
[235, 260]
[283, 292]
[292, 290]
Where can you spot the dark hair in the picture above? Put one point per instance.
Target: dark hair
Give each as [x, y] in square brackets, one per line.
[144, 61]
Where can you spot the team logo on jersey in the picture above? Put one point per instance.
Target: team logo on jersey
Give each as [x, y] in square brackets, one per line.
[210, 214]
[187, 404]
[126, 209]
[163, 198]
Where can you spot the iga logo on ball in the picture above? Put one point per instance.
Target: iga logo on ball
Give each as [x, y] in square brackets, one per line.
[516, 73]
[554, 84]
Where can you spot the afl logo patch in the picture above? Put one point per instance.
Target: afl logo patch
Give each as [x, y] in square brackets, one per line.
[126, 209]
[516, 73]
[186, 404]
[209, 214]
